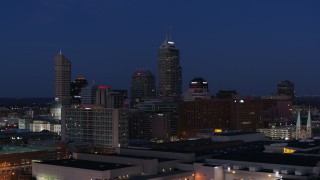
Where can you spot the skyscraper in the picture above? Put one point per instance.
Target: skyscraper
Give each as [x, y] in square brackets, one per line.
[142, 86]
[169, 70]
[62, 75]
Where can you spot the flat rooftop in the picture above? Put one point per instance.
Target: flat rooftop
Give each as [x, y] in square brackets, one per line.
[271, 158]
[304, 144]
[162, 174]
[21, 149]
[234, 133]
[84, 164]
[140, 157]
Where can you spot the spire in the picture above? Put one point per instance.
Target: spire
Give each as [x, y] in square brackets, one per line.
[309, 125]
[170, 33]
[60, 52]
[298, 125]
[298, 118]
[309, 118]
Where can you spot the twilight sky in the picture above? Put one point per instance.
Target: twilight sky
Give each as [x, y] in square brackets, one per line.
[245, 45]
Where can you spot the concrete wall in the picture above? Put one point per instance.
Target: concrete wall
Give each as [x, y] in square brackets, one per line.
[149, 166]
[183, 157]
[180, 176]
[45, 171]
[167, 165]
[185, 167]
[239, 174]
[126, 172]
[208, 172]
[309, 170]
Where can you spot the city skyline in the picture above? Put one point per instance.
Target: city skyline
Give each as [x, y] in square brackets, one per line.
[243, 46]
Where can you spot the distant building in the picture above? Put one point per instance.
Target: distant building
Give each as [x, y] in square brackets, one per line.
[56, 109]
[223, 94]
[101, 96]
[88, 95]
[99, 126]
[286, 88]
[140, 125]
[116, 98]
[62, 70]
[76, 86]
[143, 86]
[278, 133]
[276, 109]
[303, 133]
[198, 89]
[38, 126]
[204, 114]
[246, 114]
[169, 70]
[235, 114]
[155, 119]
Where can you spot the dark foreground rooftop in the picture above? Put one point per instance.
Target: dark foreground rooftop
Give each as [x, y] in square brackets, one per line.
[271, 158]
[83, 164]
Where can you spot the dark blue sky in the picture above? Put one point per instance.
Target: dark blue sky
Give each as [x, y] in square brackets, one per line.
[245, 45]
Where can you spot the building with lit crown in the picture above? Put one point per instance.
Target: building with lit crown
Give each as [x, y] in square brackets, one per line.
[198, 89]
[169, 70]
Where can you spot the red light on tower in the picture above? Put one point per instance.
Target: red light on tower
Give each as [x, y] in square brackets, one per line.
[109, 87]
[102, 87]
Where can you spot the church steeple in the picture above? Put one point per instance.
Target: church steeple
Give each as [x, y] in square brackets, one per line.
[298, 126]
[309, 126]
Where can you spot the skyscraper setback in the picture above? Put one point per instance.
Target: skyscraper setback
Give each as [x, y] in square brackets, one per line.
[62, 79]
[169, 70]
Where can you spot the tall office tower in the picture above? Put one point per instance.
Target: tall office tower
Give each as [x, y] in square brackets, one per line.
[100, 126]
[286, 88]
[101, 94]
[198, 89]
[142, 87]
[169, 70]
[88, 95]
[62, 74]
[76, 86]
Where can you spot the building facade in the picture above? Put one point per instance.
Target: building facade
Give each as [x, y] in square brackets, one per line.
[99, 126]
[169, 70]
[203, 114]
